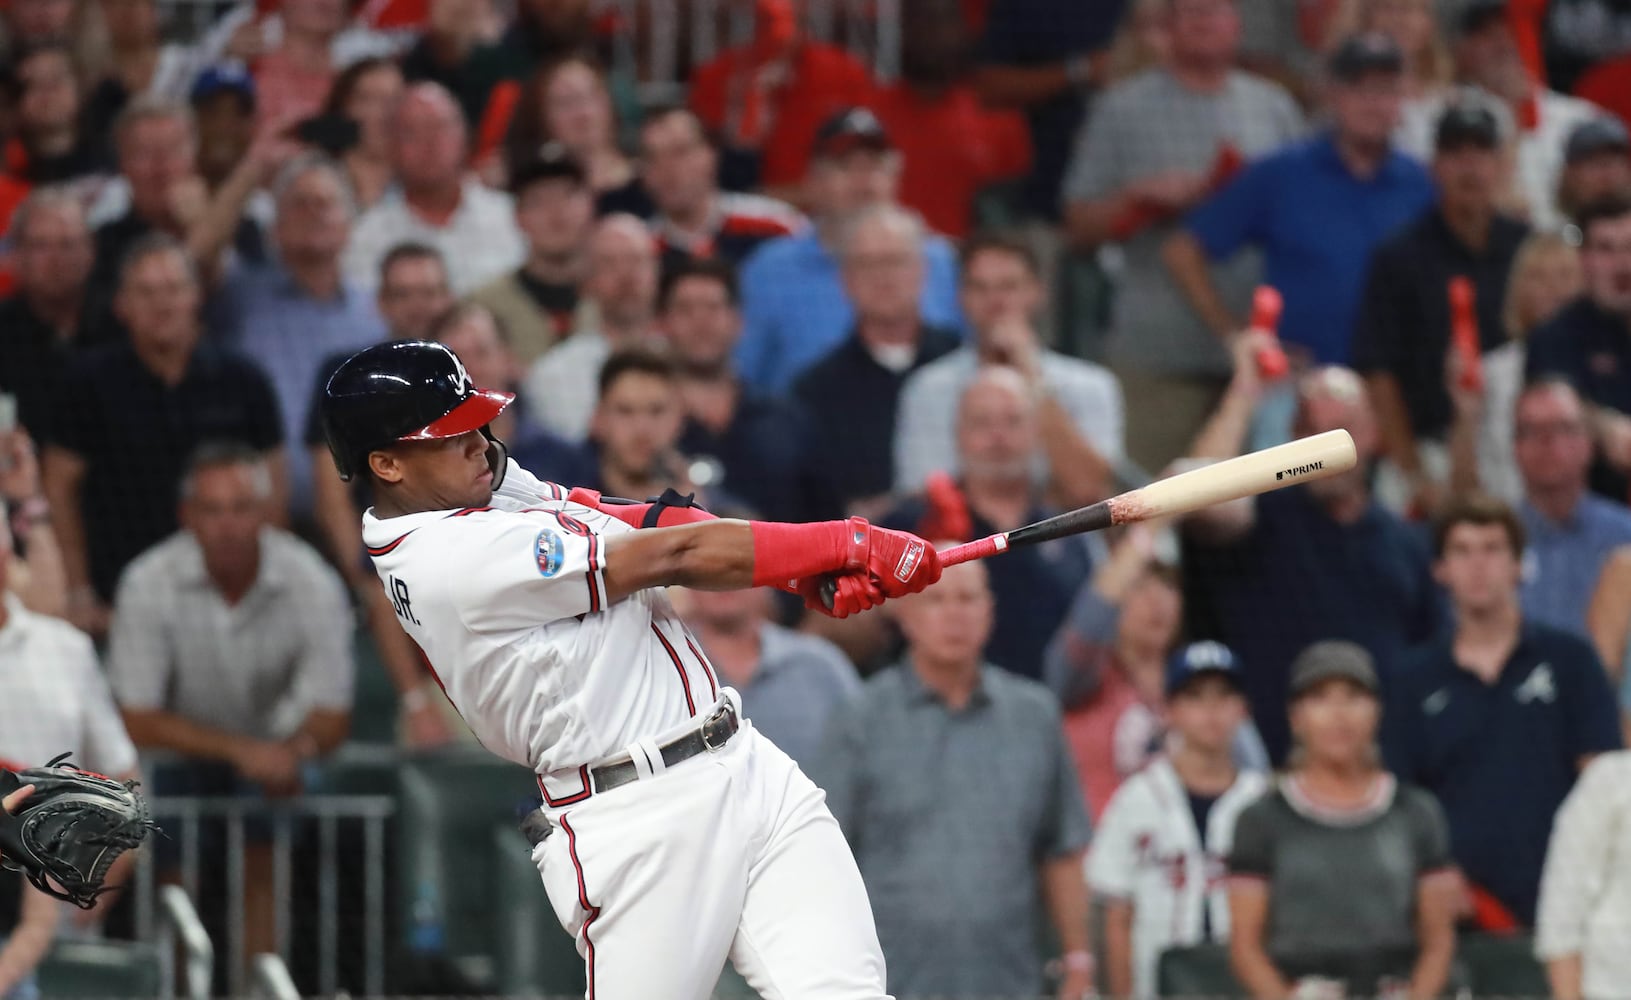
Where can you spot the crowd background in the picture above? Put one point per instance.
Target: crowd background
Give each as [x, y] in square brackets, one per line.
[951, 265]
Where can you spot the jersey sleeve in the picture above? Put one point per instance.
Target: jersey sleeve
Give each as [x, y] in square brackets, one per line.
[519, 570]
[1112, 858]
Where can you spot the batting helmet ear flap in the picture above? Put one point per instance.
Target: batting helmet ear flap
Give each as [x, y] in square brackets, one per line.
[498, 457]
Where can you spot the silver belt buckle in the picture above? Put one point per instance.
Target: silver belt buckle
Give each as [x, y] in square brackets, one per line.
[719, 718]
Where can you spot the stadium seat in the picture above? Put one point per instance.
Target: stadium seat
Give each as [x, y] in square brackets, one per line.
[1502, 966]
[1198, 971]
[450, 803]
[101, 969]
[535, 956]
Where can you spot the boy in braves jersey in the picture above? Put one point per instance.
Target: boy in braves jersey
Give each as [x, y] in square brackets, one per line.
[672, 835]
[1157, 856]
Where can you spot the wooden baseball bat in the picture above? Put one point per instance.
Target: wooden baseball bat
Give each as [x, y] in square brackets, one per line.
[1301, 461]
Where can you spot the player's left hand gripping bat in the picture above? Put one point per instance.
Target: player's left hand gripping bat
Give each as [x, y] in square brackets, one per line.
[1296, 462]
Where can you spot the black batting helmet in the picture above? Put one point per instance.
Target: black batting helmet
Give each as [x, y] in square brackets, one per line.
[406, 390]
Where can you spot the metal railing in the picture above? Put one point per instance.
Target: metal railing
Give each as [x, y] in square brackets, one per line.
[183, 819]
[272, 979]
[180, 921]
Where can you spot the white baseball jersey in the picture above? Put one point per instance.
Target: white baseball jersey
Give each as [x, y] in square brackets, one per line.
[1147, 852]
[508, 605]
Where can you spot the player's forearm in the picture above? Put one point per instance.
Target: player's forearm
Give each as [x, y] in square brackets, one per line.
[156, 729]
[1191, 271]
[728, 554]
[1066, 894]
[1118, 948]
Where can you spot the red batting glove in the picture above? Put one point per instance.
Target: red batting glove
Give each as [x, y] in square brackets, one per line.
[900, 563]
[852, 594]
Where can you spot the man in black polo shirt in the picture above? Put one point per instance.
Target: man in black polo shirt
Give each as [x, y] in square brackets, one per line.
[853, 392]
[40, 323]
[1402, 336]
[1589, 341]
[1497, 718]
[128, 416]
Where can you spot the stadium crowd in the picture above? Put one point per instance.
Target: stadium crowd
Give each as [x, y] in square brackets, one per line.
[1328, 727]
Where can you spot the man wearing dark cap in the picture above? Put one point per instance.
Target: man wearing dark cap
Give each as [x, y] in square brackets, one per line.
[1316, 210]
[1158, 851]
[793, 305]
[1487, 56]
[1596, 162]
[1497, 718]
[538, 303]
[1402, 336]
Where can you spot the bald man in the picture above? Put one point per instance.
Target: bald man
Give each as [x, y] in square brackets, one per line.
[998, 441]
[1319, 561]
[434, 201]
[620, 281]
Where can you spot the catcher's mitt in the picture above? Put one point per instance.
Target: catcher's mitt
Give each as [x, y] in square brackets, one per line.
[67, 834]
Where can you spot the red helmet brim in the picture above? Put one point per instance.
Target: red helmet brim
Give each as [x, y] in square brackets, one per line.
[476, 412]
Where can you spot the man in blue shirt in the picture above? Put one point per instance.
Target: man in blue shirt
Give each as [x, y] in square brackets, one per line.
[794, 308]
[1571, 531]
[1497, 718]
[1316, 210]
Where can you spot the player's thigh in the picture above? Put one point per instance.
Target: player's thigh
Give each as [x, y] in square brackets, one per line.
[807, 931]
[653, 907]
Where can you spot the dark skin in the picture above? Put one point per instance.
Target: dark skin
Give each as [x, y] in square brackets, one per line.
[415, 476]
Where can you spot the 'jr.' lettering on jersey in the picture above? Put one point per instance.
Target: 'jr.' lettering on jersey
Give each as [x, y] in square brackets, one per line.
[401, 601]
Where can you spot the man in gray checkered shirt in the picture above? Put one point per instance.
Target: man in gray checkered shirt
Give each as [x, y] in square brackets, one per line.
[1155, 145]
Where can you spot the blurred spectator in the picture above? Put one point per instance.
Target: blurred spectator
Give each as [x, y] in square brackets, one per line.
[1107, 662]
[1320, 561]
[1341, 881]
[935, 98]
[1157, 858]
[569, 101]
[291, 315]
[679, 169]
[223, 103]
[1589, 341]
[767, 100]
[1045, 57]
[231, 647]
[539, 304]
[157, 146]
[1079, 411]
[253, 28]
[1316, 210]
[1596, 163]
[997, 440]
[1609, 619]
[413, 290]
[130, 414]
[755, 446]
[636, 430]
[366, 93]
[1578, 34]
[51, 145]
[1487, 55]
[1428, 67]
[1497, 718]
[1585, 892]
[853, 393]
[792, 294]
[41, 324]
[1545, 276]
[620, 280]
[954, 786]
[791, 684]
[1571, 532]
[449, 40]
[1155, 145]
[1402, 334]
[141, 64]
[435, 202]
[35, 573]
[1287, 40]
[293, 77]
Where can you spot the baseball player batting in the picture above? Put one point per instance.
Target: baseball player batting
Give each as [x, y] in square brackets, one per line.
[672, 835]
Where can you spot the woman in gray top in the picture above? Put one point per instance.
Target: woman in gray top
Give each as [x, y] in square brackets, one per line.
[1341, 882]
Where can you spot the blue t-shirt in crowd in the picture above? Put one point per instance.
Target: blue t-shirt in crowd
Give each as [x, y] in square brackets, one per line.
[794, 310]
[1501, 757]
[1564, 559]
[1316, 225]
[1298, 577]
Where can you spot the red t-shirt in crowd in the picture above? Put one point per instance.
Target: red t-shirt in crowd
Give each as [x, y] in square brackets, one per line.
[1110, 738]
[953, 146]
[286, 93]
[823, 81]
[1608, 85]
